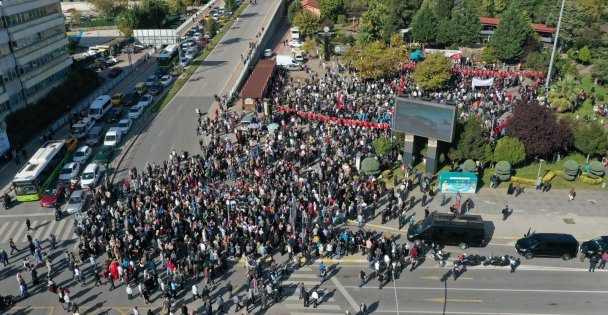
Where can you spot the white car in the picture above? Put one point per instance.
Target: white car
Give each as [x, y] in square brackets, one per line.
[112, 60]
[76, 201]
[69, 171]
[296, 43]
[145, 100]
[82, 155]
[135, 112]
[197, 35]
[184, 62]
[90, 175]
[268, 53]
[166, 80]
[125, 125]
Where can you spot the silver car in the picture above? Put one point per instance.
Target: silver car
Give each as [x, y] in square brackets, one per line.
[76, 201]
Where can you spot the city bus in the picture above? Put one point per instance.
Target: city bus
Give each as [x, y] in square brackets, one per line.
[167, 56]
[42, 169]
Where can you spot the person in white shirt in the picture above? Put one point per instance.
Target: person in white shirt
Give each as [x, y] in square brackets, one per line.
[135, 310]
[315, 298]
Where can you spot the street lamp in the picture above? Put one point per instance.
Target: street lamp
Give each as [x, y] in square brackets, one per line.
[539, 166]
[326, 34]
[559, 23]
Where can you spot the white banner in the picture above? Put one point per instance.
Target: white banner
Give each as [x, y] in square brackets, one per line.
[480, 82]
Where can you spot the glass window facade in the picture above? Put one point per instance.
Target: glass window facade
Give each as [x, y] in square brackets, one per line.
[30, 15]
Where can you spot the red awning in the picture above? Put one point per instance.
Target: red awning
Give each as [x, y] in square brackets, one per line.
[258, 80]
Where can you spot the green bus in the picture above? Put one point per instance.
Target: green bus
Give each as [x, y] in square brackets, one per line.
[41, 170]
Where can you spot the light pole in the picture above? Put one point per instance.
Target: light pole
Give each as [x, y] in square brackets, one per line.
[326, 34]
[539, 167]
[559, 23]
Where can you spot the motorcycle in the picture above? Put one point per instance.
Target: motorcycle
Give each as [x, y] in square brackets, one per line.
[6, 301]
[439, 257]
[6, 201]
[499, 261]
[470, 260]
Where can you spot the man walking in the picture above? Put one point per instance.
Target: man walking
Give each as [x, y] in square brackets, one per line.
[315, 298]
[513, 263]
[12, 245]
[28, 224]
[592, 263]
[362, 278]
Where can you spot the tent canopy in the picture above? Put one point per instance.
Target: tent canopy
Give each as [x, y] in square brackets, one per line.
[417, 55]
[257, 82]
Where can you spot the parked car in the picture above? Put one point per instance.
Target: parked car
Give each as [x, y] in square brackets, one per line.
[155, 88]
[268, 53]
[595, 246]
[76, 201]
[125, 125]
[136, 111]
[131, 98]
[82, 155]
[166, 80]
[114, 115]
[117, 98]
[547, 245]
[295, 43]
[146, 100]
[151, 80]
[69, 171]
[184, 62]
[114, 72]
[53, 196]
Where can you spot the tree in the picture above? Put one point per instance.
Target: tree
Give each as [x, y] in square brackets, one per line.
[446, 32]
[595, 10]
[488, 55]
[424, 25]
[511, 34]
[590, 138]
[176, 6]
[539, 130]
[212, 28]
[584, 55]
[106, 8]
[294, 8]
[232, 6]
[509, 149]
[466, 23]
[470, 143]
[331, 8]
[538, 61]
[308, 23]
[563, 94]
[600, 70]
[309, 45]
[433, 73]
[382, 145]
[374, 60]
[76, 17]
[127, 21]
[573, 20]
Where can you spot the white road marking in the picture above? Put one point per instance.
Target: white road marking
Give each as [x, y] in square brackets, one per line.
[49, 229]
[344, 293]
[319, 307]
[59, 228]
[10, 235]
[488, 289]
[24, 238]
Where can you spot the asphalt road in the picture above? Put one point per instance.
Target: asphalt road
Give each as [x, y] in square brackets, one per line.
[174, 126]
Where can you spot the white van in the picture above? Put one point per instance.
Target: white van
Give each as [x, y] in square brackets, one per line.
[113, 137]
[82, 127]
[295, 32]
[284, 60]
[100, 107]
[90, 175]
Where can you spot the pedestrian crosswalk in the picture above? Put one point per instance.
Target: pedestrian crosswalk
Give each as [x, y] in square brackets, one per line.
[327, 300]
[43, 228]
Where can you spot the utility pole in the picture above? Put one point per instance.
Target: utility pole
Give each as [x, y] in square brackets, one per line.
[559, 23]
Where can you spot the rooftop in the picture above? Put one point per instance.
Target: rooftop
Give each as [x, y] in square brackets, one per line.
[542, 28]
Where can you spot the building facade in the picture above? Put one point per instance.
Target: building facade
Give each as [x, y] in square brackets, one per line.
[34, 56]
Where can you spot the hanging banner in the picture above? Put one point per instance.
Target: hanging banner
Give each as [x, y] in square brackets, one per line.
[481, 82]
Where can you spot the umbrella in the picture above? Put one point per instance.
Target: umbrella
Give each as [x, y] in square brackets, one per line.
[417, 55]
[273, 126]
[253, 126]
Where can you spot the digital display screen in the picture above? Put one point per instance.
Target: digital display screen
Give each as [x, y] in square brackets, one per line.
[425, 119]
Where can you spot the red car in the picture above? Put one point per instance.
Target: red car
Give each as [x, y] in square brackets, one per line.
[54, 195]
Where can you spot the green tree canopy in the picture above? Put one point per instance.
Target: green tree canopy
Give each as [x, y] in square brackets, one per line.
[590, 138]
[374, 60]
[308, 23]
[424, 25]
[433, 73]
[509, 149]
[600, 70]
[382, 145]
[470, 143]
[331, 8]
[563, 94]
[294, 8]
[511, 34]
[466, 23]
[584, 55]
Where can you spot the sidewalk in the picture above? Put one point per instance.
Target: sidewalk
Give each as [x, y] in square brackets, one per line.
[8, 170]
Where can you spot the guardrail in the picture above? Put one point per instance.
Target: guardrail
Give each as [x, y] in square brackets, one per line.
[253, 55]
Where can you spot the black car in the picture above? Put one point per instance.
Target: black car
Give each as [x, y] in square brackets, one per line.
[155, 88]
[114, 72]
[114, 115]
[131, 98]
[595, 246]
[97, 66]
[547, 245]
[447, 229]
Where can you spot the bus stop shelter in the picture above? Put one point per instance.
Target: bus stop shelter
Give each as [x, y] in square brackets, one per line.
[256, 84]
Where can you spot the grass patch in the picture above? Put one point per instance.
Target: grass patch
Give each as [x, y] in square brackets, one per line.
[586, 84]
[184, 77]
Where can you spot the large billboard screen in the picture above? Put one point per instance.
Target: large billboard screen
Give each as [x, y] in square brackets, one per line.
[425, 119]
